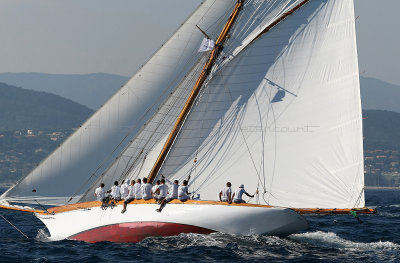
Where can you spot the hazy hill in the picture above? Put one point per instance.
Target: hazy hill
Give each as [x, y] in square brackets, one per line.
[379, 95]
[28, 109]
[91, 90]
[381, 129]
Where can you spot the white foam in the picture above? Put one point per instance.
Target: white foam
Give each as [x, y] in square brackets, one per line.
[329, 239]
[44, 236]
[203, 240]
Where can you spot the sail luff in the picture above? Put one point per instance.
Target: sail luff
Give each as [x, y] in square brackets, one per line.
[195, 91]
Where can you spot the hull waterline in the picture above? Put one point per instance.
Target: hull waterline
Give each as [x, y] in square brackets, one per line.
[95, 224]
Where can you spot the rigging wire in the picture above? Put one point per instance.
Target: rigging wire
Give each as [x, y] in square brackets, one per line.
[176, 99]
[118, 146]
[149, 143]
[22, 233]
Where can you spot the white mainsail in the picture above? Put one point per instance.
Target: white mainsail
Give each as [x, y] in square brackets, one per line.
[281, 113]
[92, 148]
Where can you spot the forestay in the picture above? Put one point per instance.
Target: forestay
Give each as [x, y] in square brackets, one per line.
[280, 113]
[82, 158]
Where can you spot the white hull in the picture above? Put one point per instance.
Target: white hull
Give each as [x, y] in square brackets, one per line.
[141, 220]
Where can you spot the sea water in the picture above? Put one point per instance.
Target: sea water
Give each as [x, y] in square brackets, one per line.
[339, 238]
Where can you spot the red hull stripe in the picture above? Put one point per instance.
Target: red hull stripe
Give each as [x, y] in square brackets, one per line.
[136, 232]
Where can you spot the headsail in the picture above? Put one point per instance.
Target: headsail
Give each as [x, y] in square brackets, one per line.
[89, 151]
[281, 113]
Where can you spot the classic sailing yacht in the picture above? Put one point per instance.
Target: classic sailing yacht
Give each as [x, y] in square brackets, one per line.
[275, 104]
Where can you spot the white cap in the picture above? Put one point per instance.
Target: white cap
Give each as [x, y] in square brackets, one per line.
[241, 186]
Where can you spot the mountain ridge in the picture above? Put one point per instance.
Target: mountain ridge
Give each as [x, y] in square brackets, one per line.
[28, 109]
[76, 87]
[376, 94]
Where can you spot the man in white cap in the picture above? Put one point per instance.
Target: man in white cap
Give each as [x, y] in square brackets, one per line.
[237, 195]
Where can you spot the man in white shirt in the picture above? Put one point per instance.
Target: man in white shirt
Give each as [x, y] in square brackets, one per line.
[138, 189]
[173, 194]
[124, 189]
[183, 192]
[162, 191]
[100, 192]
[146, 190]
[115, 191]
[130, 197]
[237, 195]
[226, 194]
[154, 192]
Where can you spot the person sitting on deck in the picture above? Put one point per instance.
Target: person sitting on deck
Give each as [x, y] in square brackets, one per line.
[226, 194]
[154, 192]
[100, 192]
[183, 193]
[124, 189]
[138, 189]
[130, 197]
[146, 190]
[173, 194]
[237, 195]
[162, 191]
[115, 191]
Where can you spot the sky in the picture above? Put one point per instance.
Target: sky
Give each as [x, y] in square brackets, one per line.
[117, 37]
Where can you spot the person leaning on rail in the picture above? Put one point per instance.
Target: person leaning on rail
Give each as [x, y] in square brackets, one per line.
[237, 195]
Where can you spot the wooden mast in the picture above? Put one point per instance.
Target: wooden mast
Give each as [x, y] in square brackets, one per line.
[195, 90]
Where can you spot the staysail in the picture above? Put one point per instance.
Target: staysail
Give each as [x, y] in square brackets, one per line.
[281, 112]
[82, 158]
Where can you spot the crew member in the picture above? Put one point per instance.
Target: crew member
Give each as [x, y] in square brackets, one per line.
[162, 190]
[130, 197]
[237, 195]
[100, 192]
[183, 192]
[138, 189]
[226, 194]
[124, 189]
[154, 192]
[146, 190]
[115, 191]
[173, 194]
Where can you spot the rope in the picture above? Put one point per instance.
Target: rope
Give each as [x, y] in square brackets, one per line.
[14, 226]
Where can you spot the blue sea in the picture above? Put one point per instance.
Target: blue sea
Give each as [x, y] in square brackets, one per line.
[338, 238]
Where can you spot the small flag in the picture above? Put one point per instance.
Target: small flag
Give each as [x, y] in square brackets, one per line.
[206, 45]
